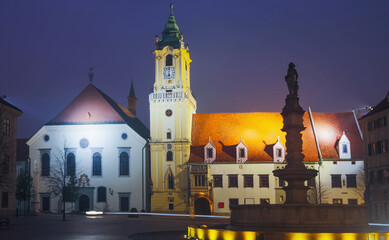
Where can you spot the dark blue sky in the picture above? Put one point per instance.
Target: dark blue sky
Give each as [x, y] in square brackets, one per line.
[240, 52]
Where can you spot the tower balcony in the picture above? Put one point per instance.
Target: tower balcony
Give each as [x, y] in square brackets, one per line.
[170, 96]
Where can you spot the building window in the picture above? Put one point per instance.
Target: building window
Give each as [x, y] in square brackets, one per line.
[171, 206]
[124, 164]
[336, 181]
[169, 134]
[4, 199]
[209, 153]
[380, 176]
[242, 153]
[45, 164]
[170, 180]
[344, 146]
[385, 146]
[234, 202]
[264, 181]
[6, 127]
[281, 182]
[370, 148]
[351, 180]
[248, 201]
[101, 194]
[169, 156]
[233, 181]
[169, 60]
[337, 201]
[352, 201]
[71, 164]
[5, 167]
[218, 181]
[200, 181]
[264, 200]
[96, 168]
[379, 147]
[279, 152]
[248, 181]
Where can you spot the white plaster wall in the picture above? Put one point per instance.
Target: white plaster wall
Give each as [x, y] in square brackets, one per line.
[104, 136]
[225, 193]
[342, 167]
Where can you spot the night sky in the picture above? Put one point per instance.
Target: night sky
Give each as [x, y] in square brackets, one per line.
[240, 52]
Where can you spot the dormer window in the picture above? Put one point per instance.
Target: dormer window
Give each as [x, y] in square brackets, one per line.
[209, 152]
[278, 151]
[241, 152]
[344, 147]
[169, 60]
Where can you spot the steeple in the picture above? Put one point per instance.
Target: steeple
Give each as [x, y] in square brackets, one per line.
[171, 35]
[132, 100]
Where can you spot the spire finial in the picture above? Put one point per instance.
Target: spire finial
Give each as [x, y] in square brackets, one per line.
[171, 9]
[91, 74]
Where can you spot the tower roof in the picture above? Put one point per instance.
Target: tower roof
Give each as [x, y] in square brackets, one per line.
[171, 35]
[132, 91]
[92, 106]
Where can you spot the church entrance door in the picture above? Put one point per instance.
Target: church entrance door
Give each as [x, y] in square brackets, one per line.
[84, 203]
[202, 207]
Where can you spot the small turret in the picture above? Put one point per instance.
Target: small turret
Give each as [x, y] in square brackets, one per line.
[132, 100]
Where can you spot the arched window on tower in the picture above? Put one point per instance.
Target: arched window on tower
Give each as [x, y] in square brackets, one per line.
[169, 60]
[170, 180]
[169, 156]
[71, 164]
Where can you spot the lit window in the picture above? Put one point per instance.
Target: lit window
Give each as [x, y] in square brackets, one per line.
[71, 164]
[45, 164]
[124, 164]
[101, 194]
[200, 181]
[337, 201]
[96, 164]
[264, 200]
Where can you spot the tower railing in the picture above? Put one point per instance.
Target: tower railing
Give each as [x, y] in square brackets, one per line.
[169, 95]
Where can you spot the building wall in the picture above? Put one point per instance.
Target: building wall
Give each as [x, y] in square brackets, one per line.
[8, 147]
[108, 141]
[274, 193]
[377, 165]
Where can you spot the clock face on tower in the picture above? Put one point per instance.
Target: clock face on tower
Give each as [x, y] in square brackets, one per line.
[169, 73]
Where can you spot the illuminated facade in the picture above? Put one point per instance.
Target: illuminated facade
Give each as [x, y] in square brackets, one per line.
[171, 108]
[103, 144]
[375, 136]
[8, 134]
[246, 147]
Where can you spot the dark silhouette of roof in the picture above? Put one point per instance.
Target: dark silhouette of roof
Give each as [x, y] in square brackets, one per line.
[2, 101]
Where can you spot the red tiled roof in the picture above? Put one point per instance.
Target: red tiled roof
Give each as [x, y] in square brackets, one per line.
[259, 132]
[92, 106]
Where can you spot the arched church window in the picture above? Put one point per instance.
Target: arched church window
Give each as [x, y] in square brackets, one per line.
[124, 164]
[71, 164]
[96, 168]
[170, 180]
[169, 60]
[45, 164]
[169, 156]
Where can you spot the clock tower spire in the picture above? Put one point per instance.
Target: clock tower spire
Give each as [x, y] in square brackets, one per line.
[171, 108]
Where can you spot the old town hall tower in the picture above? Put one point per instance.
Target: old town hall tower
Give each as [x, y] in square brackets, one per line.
[171, 108]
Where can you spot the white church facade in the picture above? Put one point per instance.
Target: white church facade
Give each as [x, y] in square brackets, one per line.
[100, 142]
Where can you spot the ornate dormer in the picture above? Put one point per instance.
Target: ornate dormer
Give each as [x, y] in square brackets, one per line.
[344, 147]
[278, 151]
[209, 152]
[241, 152]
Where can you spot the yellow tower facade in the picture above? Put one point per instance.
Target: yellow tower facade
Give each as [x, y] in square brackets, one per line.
[172, 106]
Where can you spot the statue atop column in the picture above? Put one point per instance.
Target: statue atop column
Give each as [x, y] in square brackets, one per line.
[291, 79]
